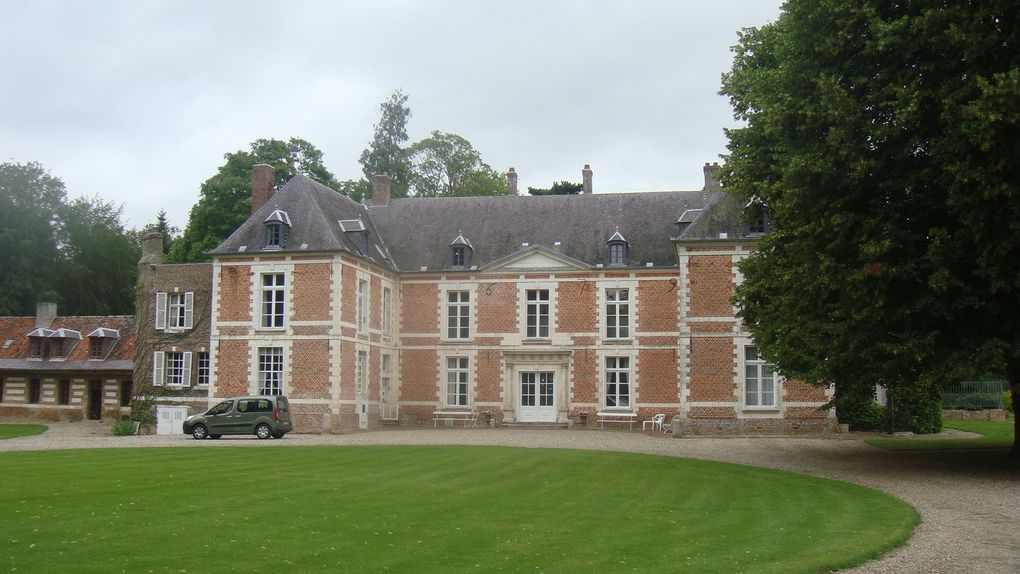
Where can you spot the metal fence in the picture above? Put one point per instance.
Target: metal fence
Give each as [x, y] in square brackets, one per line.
[974, 395]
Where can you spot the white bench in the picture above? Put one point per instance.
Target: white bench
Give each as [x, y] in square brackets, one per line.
[616, 417]
[470, 418]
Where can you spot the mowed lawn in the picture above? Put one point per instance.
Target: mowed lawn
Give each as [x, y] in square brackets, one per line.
[428, 509]
[993, 435]
[15, 430]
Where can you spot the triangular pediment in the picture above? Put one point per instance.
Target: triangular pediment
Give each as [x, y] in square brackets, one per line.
[536, 258]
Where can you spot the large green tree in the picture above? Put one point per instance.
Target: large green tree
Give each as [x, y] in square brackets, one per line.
[882, 137]
[31, 202]
[445, 164]
[386, 153]
[225, 199]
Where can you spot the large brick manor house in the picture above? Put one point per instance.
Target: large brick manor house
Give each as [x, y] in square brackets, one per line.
[528, 308]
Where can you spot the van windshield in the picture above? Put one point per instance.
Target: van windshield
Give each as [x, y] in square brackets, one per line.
[221, 408]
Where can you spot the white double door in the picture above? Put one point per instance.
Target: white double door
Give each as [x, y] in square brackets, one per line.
[537, 392]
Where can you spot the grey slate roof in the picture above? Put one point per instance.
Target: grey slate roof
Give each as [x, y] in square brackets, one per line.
[408, 234]
[314, 211]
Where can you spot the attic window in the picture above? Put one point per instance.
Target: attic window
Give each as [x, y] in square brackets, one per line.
[756, 214]
[619, 249]
[101, 342]
[349, 225]
[277, 225]
[686, 219]
[37, 346]
[460, 251]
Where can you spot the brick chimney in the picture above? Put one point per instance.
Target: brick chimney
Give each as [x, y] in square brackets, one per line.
[45, 313]
[712, 176]
[152, 249]
[380, 189]
[511, 182]
[586, 179]
[262, 178]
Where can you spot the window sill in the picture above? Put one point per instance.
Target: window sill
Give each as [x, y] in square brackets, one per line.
[761, 409]
[537, 342]
[627, 341]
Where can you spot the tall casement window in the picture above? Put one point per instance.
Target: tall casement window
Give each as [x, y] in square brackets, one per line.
[270, 370]
[537, 311]
[362, 306]
[617, 313]
[457, 381]
[175, 311]
[96, 348]
[171, 368]
[759, 380]
[458, 314]
[273, 293]
[387, 310]
[35, 347]
[34, 391]
[64, 392]
[203, 368]
[361, 373]
[617, 382]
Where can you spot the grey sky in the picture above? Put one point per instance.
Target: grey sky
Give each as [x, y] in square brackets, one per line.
[138, 101]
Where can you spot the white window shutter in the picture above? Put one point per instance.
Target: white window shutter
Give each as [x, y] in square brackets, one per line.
[187, 369]
[158, 362]
[189, 309]
[161, 311]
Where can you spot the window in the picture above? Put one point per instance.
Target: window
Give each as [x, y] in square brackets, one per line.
[95, 347]
[460, 252]
[537, 313]
[386, 376]
[617, 253]
[64, 392]
[203, 368]
[3, 389]
[273, 285]
[759, 380]
[458, 314]
[361, 373]
[126, 389]
[362, 306]
[34, 391]
[270, 370]
[459, 256]
[274, 236]
[457, 381]
[387, 310]
[617, 382]
[171, 368]
[35, 347]
[175, 311]
[617, 313]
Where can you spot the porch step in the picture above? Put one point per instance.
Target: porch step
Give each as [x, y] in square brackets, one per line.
[531, 425]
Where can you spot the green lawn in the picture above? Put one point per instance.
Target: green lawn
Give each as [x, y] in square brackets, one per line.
[993, 435]
[428, 509]
[13, 431]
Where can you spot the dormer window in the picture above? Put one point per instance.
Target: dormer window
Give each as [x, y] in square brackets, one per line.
[756, 215]
[277, 225]
[460, 252]
[46, 344]
[101, 342]
[619, 249]
[37, 343]
[686, 219]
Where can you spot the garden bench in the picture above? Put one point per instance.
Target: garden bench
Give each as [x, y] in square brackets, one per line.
[470, 418]
[616, 417]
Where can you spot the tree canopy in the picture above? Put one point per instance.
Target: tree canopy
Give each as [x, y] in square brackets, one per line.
[558, 188]
[386, 153]
[445, 164]
[883, 140]
[76, 254]
[225, 198]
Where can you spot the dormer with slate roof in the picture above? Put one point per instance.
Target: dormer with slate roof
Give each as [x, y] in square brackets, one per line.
[101, 342]
[460, 252]
[619, 249]
[277, 227]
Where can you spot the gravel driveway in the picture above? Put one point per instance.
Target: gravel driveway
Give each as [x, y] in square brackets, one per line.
[971, 515]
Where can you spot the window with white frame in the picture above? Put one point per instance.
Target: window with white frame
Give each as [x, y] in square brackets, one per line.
[362, 306]
[270, 370]
[759, 380]
[361, 372]
[458, 314]
[171, 368]
[273, 298]
[456, 381]
[617, 313]
[203, 368]
[537, 313]
[387, 310]
[175, 311]
[617, 384]
[386, 376]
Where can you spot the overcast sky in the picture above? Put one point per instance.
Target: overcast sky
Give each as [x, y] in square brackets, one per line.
[137, 101]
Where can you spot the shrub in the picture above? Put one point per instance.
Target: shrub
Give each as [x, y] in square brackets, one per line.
[855, 405]
[916, 408]
[124, 428]
[1007, 402]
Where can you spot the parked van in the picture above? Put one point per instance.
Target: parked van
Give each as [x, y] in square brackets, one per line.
[264, 416]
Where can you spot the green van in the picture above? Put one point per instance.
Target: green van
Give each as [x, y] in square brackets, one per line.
[263, 416]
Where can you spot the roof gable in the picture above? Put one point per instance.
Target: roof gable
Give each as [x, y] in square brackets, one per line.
[536, 258]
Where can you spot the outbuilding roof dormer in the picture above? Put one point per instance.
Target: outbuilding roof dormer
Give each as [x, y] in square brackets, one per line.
[460, 251]
[52, 344]
[101, 342]
[619, 249]
[277, 228]
[756, 214]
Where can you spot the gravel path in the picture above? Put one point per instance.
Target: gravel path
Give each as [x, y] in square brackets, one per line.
[971, 515]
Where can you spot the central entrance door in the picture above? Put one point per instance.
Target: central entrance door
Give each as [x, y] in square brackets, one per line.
[538, 403]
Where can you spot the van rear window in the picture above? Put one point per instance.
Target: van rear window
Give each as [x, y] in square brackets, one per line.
[282, 403]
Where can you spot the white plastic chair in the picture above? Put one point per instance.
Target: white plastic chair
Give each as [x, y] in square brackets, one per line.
[656, 422]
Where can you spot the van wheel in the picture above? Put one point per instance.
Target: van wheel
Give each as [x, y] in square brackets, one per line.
[277, 435]
[199, 432]
[214, 436]
[263, 431]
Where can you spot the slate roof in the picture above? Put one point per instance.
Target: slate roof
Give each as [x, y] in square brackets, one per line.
[419, 230]
[722, 214]
[314, 211]
[16, 330]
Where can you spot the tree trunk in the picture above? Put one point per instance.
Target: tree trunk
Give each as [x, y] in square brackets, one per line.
[1013, 378]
